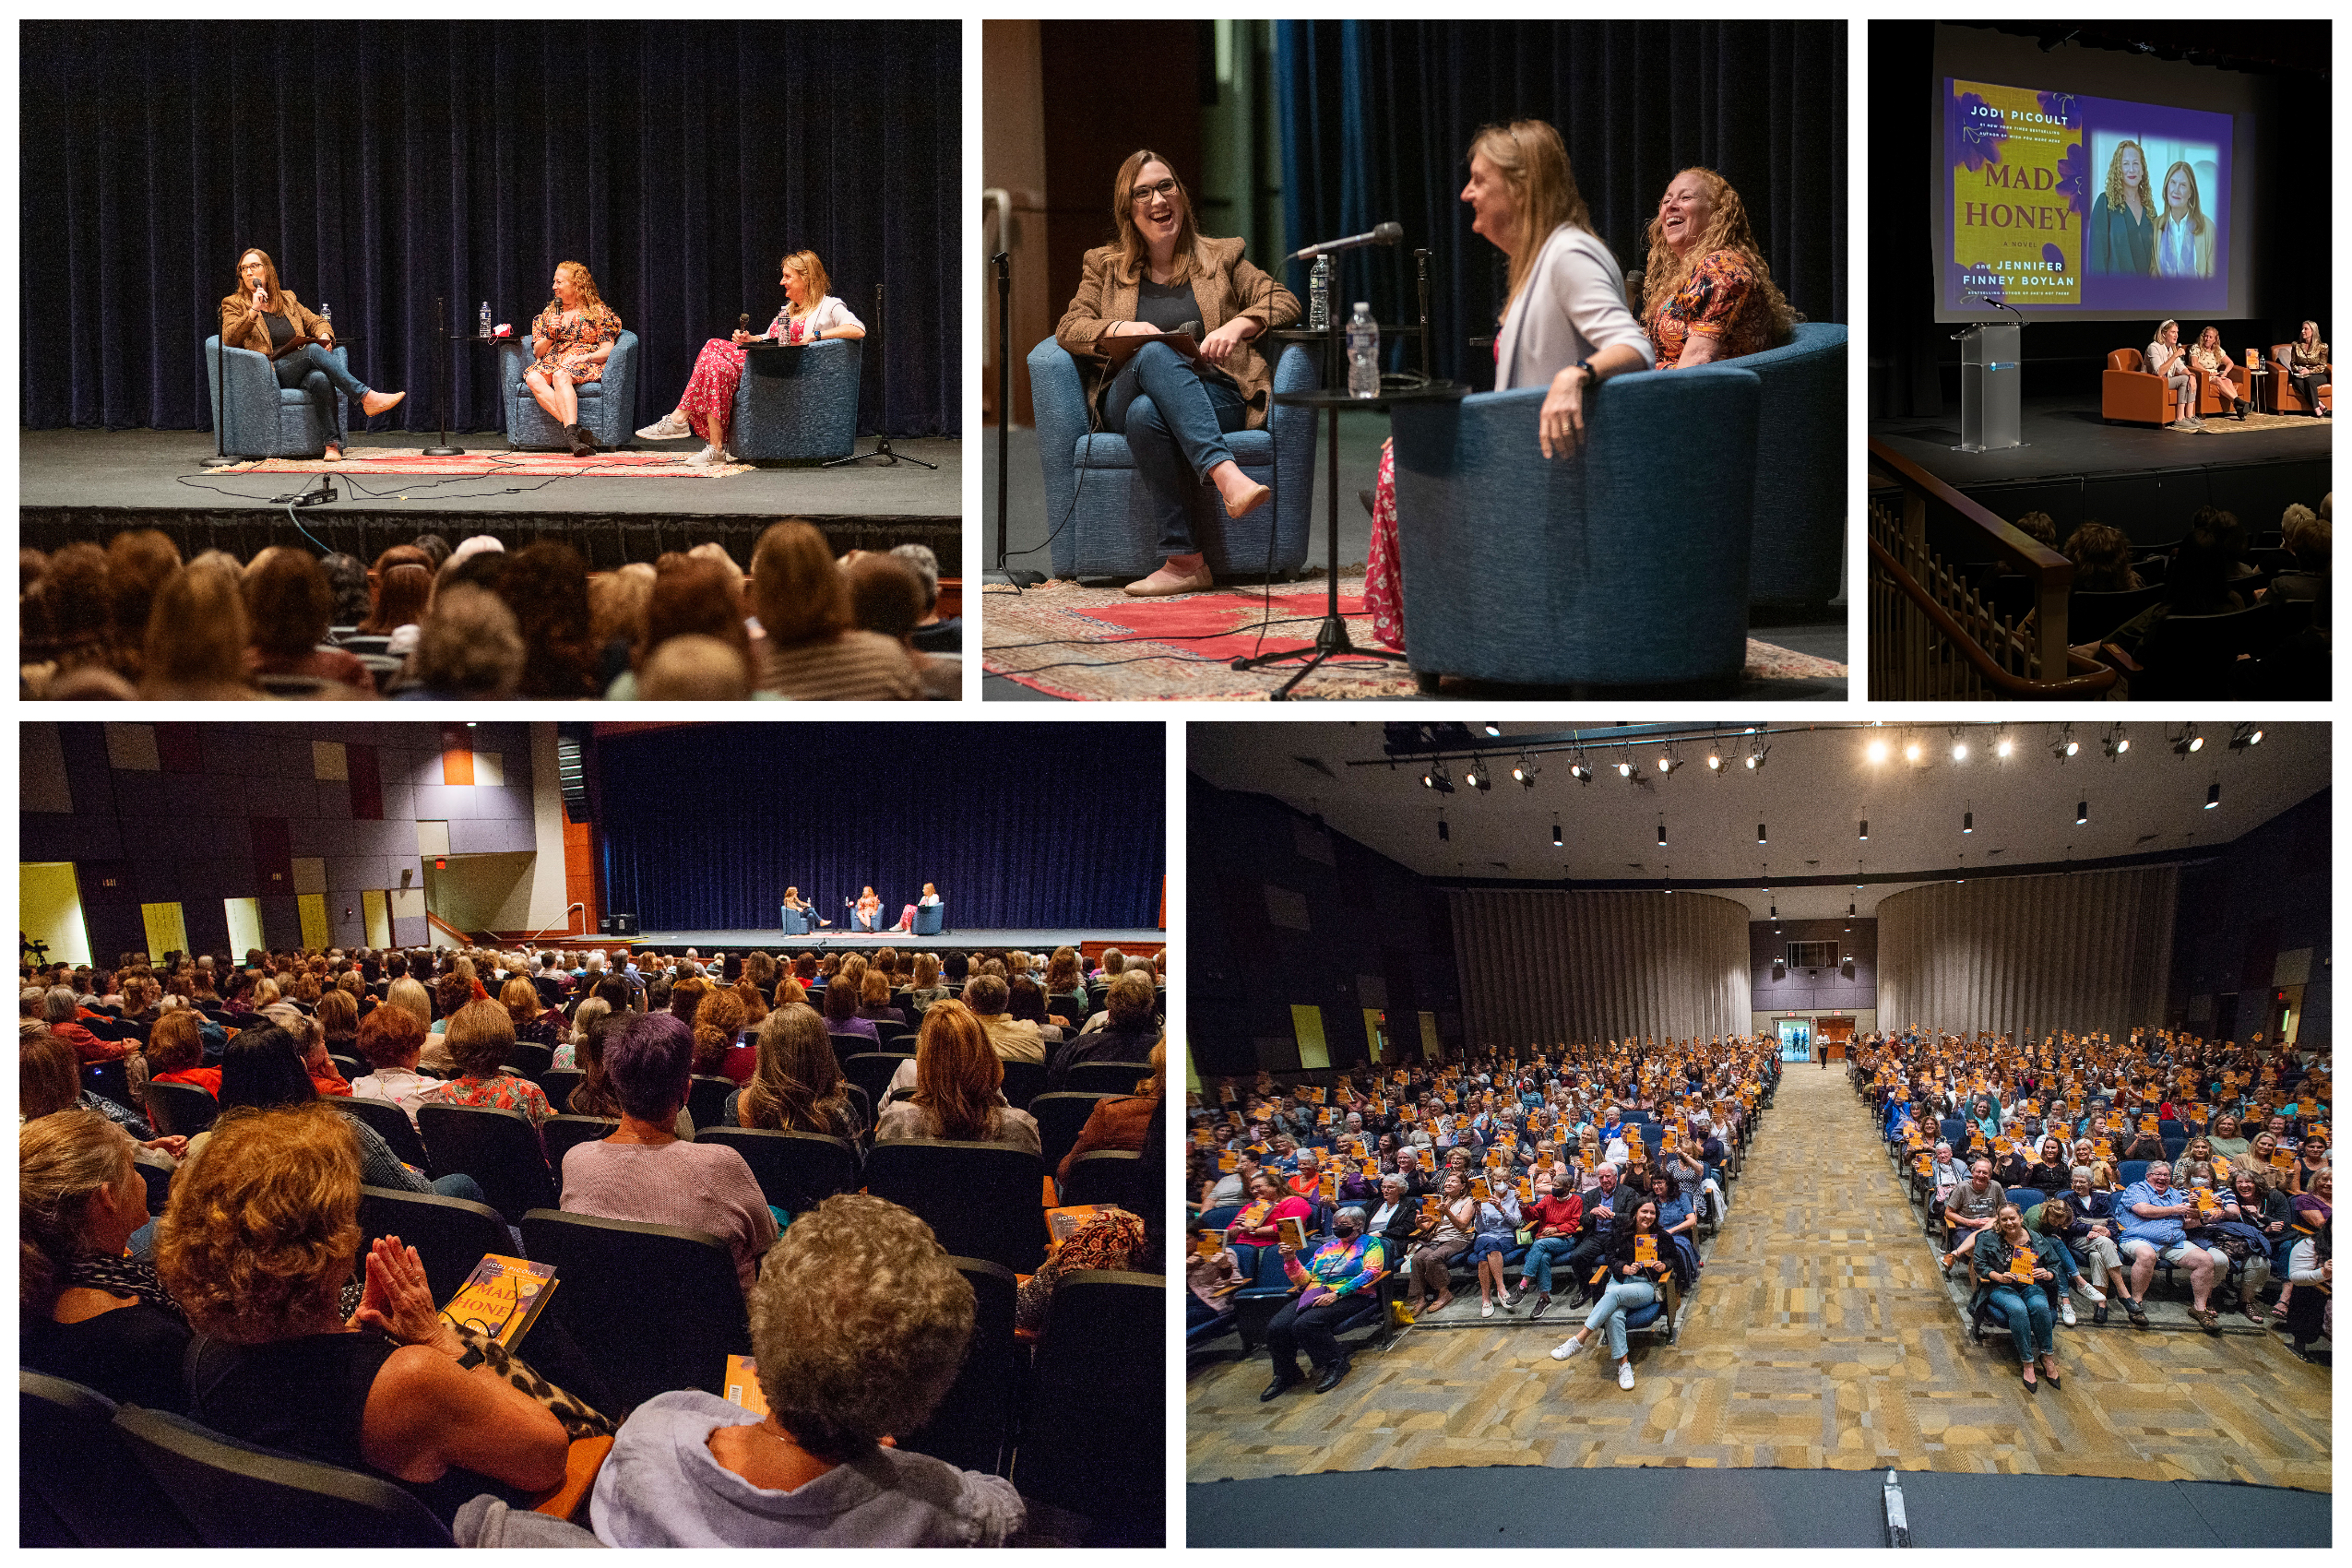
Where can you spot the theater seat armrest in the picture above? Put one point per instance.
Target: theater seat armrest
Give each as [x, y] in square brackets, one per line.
[569, 1499]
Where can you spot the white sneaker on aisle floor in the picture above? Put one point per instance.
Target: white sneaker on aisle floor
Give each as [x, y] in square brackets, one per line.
[1624, 1374]
[1567, 1347]
[668, 427]
[708, 457]
[2066, 1310]
[2097, 1298]
[1486, 1309]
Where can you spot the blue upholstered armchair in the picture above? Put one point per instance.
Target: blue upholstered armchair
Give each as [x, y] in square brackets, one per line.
[608, 405]
[1110, 535]
[929, 918]
[795, 923]
[266, 420]
[1800, 469]
[1623, 564]
[799, 405]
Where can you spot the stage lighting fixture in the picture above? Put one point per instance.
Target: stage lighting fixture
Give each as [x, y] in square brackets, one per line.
[1470, 775]
[1525, 771]
[2213, 795]
[1850, 914]
[1757, 753]
[2187, 741]
[1959, 750]
[2004, 747]
[2082, 812]
[1661, 832]
[2244, 735]
[1624, 770]
[1444, 832]
[1555, 836]
[1878, 751]
[1665, 764]
[2114, 742]
[1580, 773]
[1435, 778]
[1715, 762]
[1866, 830]
[1968, 822]
[1493, 730]
[1911, 751]
[1760, 833]
[1484, 782]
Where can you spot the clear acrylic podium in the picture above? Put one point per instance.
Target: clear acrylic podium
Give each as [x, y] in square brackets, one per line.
[1988, 379]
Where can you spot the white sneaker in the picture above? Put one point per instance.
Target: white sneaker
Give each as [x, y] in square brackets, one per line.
[2096, 1297]
[2066, 1310]
[668, 427]
[708, 457]
[1567, 1347]
[728, 456]
[1624, 1374]
[1486, 1309]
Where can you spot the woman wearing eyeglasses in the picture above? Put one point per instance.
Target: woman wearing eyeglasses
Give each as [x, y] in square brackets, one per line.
[1162, 275]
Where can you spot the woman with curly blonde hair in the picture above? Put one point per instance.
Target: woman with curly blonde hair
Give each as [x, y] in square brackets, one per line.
[717, 1020]
[2122, 238]
[1708, 293]
[571, 340]
[257, 1244]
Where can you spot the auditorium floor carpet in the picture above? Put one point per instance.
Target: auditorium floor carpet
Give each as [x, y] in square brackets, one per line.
[1820, 1338]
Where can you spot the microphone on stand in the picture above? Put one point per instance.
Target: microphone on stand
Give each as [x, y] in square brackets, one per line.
[1385, 234]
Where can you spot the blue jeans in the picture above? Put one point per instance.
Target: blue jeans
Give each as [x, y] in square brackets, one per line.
[2026, 1311]
[1174, 420]
[461, 1186]
[1537, 1264]
[1622, 1296]
[317, 372]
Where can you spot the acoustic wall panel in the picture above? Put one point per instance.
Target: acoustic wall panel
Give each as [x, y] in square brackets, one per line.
[2090, 951]
[1563, 967]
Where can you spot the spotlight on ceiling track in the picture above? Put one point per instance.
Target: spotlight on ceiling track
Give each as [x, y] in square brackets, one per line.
[1661, 832]
[2213, 795]
[1493, 730]
[1470, 775]
[2003, 747]
[2082, 812]
[1624, 770]
[1525, 771]
[2114, 742]
[2244, 735]
[2187, 741]
[1866, 830]
[1556, 841]
[1878, 751]
[1968, 822]
[1580, 772]
[1665, 764]
[1436, 778]
[1959, 747]
[1760, 833]
[2065, 745]
[1715, 760]
[1756, 756]
[1911, 751]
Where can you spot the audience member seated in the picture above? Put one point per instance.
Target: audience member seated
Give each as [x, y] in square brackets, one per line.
[1132, 1005]
[1015, 1040]
[391, 1038]
[810, 648]
[1118, 1122]
[2014, 1268]
[1330, 1284]
[2152, 1213]
[1555, 1218]
[645, 1173]
[2102, 557]
[480, 1038]
[175, 1053]
[1970, 1211]
[1111, 1239]
[958, 1084]
[257, 1244]
[87, 1312]
[1438, 1242]
[1641, 1256]
[289, 605]
[49, 1080]
[887, 599]
[796, 1086]
[823, 1467]
[1258, 1226]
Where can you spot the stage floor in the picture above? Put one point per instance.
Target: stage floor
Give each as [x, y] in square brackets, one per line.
[708, 942]
[2066, 435]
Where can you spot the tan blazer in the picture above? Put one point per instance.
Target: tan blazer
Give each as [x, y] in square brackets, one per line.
[1224, 286]
[242, 326]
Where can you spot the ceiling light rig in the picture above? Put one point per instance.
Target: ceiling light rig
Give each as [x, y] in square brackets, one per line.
[2212, 794]
[1968, 819]
[2116, 742]
[2189, 741]
[1472, 777]
[2244, 735]
[1494, 731]
[2002, 746]
[1878, 750]
[1760, 833]
[1661, 832]
[2064, 746]
[1865, 825]
[1757, 753]
[1580, 770]
[2082, 812]
[1556, 840]
[1715, 758]
[1959, 744]
[1629, 770]
[1525, 771]
[1435, 778]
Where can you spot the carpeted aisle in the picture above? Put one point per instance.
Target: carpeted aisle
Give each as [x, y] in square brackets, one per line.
[1820, 1336]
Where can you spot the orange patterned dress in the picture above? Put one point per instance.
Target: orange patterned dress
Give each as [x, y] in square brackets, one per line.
[1719, 299]
[574, 335]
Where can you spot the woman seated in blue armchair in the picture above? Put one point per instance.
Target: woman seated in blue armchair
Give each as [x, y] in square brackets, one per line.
[1707, 295]
[267, 318]
[1565, 325]
[1162, 275]
[571, 340]
[811, 315]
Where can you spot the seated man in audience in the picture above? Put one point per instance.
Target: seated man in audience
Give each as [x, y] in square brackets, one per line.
[1970, 1209]
[1015, 1039]
[1555, 1221]
[1330, 1285]
[822, 1467]
[2152, 1211]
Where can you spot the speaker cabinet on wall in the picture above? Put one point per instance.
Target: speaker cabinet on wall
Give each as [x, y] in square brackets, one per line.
[1780, 969]
[1846, 968]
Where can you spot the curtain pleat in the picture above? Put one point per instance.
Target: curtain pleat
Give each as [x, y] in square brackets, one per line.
[2088, 952]
[1377, 118]
[1553, 967]
[705, 827]
[382, 164]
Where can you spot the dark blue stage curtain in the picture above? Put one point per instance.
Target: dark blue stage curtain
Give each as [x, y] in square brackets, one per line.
[382, 163]
[1022, 825]
[1377, 119]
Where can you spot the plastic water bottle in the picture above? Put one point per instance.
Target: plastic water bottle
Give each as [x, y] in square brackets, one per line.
[1363, 353]
[1319, 295]
[327, 313]
[485, 318]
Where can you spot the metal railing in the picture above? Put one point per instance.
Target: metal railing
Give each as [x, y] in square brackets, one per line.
[1933, 638]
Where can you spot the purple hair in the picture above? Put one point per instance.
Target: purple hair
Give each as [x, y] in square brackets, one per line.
[648, 1061]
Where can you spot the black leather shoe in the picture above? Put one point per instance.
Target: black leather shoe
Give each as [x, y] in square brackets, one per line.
[1332, 1374]
[1280, 1383]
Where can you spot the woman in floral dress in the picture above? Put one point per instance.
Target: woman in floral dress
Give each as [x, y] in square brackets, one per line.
[570, 341]
[708, 405]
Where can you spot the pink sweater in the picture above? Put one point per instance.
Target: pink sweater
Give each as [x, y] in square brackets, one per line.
[704, 1187]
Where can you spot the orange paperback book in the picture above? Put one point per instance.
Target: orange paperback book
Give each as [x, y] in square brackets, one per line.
[502, 1297]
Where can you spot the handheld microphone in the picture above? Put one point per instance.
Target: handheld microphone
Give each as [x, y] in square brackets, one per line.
[1385, 234]
[743, 321]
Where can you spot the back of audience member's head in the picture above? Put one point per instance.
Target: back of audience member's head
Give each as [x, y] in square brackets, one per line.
[48, 1076]
[695, 668]
[2040, 524]
[2308, 536]
[2197, 581]
[2226, 530]
[71, 611]
[480, 1037]
[987, 995]
[196, 638]
[138, 562]
[716, 1022]
[617, 605]
[648, 1061]
[174, 1044]
[897, 1315]
[391, 1036]
[401, 598]
[287, 601]
[691, 597]
[1025, 1000]
[796, 589]
[262, 1068]
[260, 1234]
[467, 646]
[1132, 998]
[885, 596]
[409, 993]
[796, 1072]
[520, 998]
[2102, 558]
[923, 562]
[958, 1074]
[62, 1162]
[545, 584]
[434, 547]
[347, 580]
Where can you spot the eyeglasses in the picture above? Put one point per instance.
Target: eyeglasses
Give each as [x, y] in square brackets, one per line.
[1165, 188]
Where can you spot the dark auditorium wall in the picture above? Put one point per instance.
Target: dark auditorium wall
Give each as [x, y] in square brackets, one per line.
[382, 163]
[199, 813]
[1377, 119]
[1808, 991]
[2250, 921]
[1021, 825]
[1283, 913]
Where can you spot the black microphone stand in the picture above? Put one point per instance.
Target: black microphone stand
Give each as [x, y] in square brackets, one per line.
[1020, 577]
[220, 458]
[880, 440]
[441, 393]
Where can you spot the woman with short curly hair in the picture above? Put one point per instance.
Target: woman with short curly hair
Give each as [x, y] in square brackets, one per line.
[840, 1404]
[259, 1240]
[480, 1038]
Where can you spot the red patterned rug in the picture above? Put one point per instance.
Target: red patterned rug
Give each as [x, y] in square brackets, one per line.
[1094, 644]
[484, 462]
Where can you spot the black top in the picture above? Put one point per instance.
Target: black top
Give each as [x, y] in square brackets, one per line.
[281, 331]
[1109, 1043]
[1167, 305]
[131, 1354]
